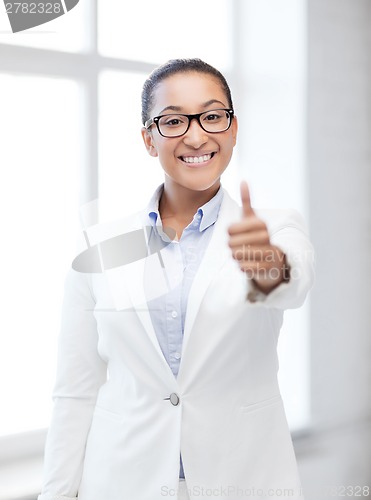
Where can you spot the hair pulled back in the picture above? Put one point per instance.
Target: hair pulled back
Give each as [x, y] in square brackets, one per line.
[173, 67]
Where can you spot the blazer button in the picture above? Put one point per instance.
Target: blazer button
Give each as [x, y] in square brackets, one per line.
[174, 399]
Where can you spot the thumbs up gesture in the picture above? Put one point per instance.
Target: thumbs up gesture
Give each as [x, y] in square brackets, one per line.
[249, 240]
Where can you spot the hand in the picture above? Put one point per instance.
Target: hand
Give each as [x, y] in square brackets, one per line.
[249, 240]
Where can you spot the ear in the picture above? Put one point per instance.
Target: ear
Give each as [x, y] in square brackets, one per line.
[149, 142]
[234, 128]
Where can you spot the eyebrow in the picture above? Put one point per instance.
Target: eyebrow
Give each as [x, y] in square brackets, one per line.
[204, 105]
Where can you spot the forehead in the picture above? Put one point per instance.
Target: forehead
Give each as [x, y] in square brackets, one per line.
[188, 91]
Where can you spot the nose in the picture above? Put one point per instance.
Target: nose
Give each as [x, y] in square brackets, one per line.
[195, 136]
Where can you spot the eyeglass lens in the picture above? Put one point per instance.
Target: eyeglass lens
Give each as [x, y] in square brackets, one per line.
[211, 121]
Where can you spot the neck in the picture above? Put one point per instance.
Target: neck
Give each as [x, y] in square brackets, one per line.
[182, 203]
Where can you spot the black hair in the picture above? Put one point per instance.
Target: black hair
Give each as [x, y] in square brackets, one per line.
[173, 67]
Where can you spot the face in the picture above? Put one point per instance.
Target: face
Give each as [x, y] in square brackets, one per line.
[191, 93]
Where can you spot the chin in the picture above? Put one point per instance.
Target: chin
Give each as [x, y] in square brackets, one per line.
[198, 184]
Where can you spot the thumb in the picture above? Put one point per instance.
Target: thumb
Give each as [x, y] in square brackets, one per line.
[246, 203]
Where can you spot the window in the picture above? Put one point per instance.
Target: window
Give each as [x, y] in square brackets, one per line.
[38, 203]
[157, 31]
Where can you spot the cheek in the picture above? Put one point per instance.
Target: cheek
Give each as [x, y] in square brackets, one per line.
[166, 150]
[227, 146]
[164, 154]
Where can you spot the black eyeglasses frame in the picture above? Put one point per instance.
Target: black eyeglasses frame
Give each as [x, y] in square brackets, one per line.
[196, 116]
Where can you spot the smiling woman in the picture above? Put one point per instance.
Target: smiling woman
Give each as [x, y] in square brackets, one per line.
[193, 152]
[166, 382]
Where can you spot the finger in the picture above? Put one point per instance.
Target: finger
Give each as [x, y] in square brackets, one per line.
[246, 203]
[253, 253]
[255, 238]
[246, 224]
[260, 270]
[251, 268]
[254, 266]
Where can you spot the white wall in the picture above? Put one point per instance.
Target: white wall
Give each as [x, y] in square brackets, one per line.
[338, 453]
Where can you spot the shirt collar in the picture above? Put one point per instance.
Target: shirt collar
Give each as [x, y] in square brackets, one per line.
[209, 211]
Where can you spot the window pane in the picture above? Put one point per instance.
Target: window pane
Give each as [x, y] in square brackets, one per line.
[127, 174]
[294, 372]
[68, 32]
[40, 157]
[158, 31]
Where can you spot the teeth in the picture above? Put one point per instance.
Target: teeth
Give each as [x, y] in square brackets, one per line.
[196, 159]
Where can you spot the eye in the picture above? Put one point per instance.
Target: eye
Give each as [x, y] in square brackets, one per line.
[172, 121]
[213, 116]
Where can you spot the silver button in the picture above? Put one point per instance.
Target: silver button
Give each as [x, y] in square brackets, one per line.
[174, 399]
[174, 314]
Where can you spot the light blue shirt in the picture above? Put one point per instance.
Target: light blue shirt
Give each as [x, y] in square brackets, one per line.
[181, 259]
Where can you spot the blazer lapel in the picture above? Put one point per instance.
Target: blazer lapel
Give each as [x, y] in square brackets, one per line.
[215, 256]
[126, 281]
[127, 288]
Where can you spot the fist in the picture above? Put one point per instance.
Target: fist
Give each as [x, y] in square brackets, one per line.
[249, 241]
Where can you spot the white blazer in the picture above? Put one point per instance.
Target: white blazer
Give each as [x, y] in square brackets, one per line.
[119, 437]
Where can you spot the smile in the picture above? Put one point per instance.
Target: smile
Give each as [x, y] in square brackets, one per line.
[197, 159]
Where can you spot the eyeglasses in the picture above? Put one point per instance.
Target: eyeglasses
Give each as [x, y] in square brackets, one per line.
[176, 125]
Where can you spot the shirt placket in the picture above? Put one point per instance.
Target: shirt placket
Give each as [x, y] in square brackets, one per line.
[173, 310]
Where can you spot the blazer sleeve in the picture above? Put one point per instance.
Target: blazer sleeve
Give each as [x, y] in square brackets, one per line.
[287, 231]
[80, 374]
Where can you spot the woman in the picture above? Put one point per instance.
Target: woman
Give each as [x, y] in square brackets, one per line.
[187, 330]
